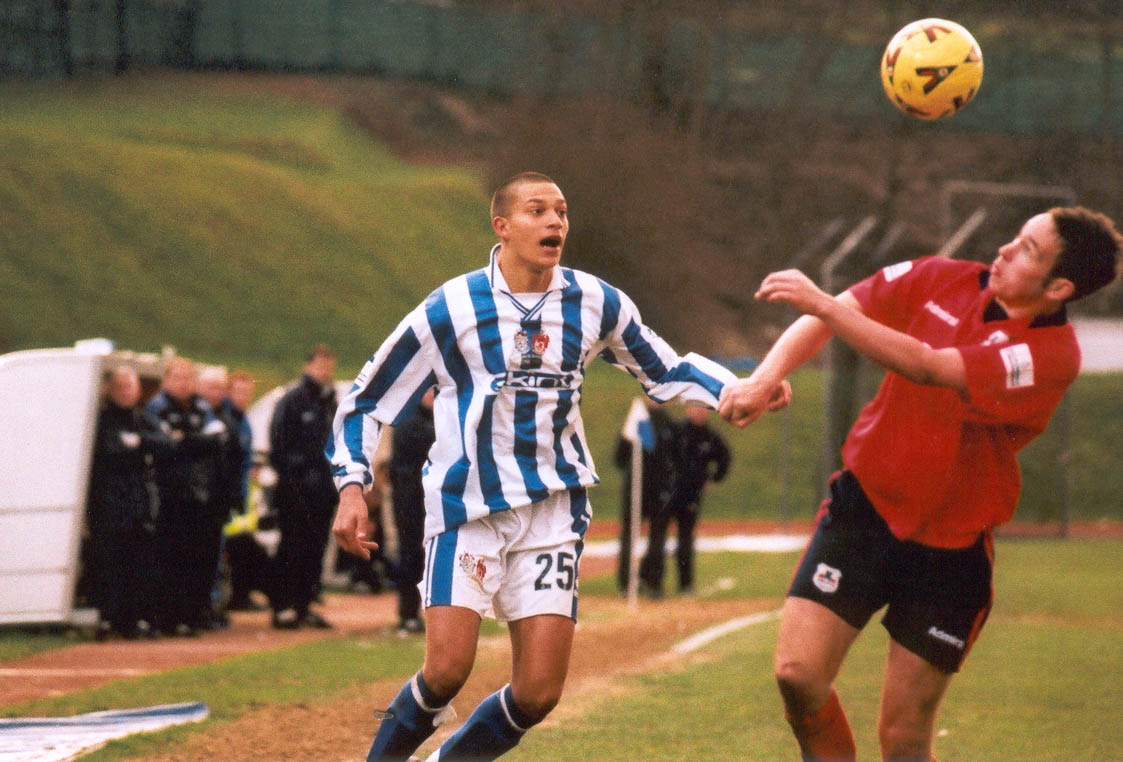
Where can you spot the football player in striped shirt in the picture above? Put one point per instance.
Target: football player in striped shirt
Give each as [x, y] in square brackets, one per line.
[979, 358]
[506, 508]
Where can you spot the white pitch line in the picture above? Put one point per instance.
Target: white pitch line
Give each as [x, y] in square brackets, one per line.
[61, 672]
[763, 543]
[707, 636]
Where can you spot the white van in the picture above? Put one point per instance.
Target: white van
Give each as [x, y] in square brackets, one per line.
[49, 401]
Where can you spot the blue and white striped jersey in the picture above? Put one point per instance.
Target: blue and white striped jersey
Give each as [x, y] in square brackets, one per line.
[509, 370]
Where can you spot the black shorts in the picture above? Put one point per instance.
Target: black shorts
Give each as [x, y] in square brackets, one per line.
[937, 599]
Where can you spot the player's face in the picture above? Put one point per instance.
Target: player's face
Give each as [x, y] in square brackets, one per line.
[1020, 272]
[534, 231]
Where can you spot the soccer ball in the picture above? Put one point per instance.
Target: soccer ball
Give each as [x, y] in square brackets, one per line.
[931, 68]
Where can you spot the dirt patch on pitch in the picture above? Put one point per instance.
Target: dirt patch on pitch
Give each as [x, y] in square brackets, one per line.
[611, 641]
[90, 664]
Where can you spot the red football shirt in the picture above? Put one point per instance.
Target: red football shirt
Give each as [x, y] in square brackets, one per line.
[938, 465]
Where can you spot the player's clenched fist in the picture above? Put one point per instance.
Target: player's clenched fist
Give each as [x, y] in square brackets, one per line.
[746, 400]
[352, 525]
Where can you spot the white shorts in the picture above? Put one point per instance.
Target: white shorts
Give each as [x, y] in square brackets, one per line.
[512, 564]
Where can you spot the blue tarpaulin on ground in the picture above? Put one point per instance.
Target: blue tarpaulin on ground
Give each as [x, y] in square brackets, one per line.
[57, 739]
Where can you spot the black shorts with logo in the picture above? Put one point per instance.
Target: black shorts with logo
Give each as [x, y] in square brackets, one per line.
[937, 599]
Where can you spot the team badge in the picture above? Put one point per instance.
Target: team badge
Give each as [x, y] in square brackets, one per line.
[529, 349]
[827, 578]
[473, 567]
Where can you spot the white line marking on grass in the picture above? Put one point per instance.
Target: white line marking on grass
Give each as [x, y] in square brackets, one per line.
[707, 636]
[61, 672]
[745, 543]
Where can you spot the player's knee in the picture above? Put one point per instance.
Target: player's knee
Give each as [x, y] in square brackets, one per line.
[903, 741]
[904, 735]
[446, 675]
[537, 701]
[801, 688]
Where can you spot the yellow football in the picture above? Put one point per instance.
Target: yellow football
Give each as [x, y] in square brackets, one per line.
[931, 68]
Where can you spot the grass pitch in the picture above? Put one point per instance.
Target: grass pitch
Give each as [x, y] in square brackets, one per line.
[1039, 685]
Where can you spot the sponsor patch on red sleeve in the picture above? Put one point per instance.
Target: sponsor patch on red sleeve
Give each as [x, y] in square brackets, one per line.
[1019, 366]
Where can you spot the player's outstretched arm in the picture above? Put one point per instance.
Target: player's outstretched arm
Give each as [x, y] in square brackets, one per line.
[843, 317]
[766, 389]
[665, 375]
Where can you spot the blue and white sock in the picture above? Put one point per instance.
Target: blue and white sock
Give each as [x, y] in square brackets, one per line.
[412, 717]
[494, 728]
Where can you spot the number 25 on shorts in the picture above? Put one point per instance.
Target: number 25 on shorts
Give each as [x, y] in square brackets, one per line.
[566, 571]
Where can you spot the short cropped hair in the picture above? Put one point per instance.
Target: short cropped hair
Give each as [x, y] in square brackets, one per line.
[504, 195]
[1091, 247]
[320, 350]
[241, 375]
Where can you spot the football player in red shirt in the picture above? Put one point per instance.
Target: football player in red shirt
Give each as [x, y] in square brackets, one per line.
[978, 358]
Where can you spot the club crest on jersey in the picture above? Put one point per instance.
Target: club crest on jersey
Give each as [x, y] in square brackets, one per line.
[473, 567]
[529, 348]
[826, 578]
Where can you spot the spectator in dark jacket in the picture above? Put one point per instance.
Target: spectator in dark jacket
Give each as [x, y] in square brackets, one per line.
[411, 443]
[250, 565]
[187, 545]
[702, 457]
[122, 507]
[228, 494]
[659, 472]
[230, 459]
[237, 402]
[305, 496]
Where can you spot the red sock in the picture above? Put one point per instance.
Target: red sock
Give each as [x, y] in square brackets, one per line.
[825, 735]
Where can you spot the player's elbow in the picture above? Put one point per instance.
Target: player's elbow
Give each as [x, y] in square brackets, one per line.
[937, 367]
[921, 375]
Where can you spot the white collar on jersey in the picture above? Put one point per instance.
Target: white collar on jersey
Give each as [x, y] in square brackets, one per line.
[558, 281]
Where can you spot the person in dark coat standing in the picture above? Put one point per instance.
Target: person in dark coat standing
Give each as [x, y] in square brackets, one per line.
[251, 567]
[703, 456]
[230, 470]
[231, 459]
[122, 506]
[188, 543]
[659, 473]
[411, 443]
[305, 497]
